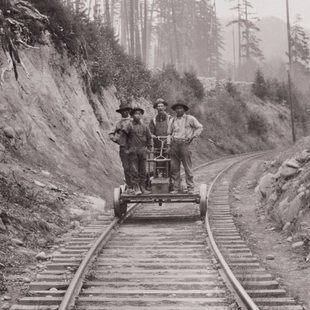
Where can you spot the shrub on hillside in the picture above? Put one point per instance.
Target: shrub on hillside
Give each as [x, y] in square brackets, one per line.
[259, 87]
[231, 89]
[194, 83]
[97, 44]
[171, 85]
[61, 24]
[277, 91]
[257, 124]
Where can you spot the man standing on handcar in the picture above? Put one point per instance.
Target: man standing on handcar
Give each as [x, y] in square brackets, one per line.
[119, 136]
[159, 128]
[140, 144]
[182, 130]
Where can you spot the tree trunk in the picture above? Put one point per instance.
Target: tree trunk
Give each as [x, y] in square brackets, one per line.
[132, 26]
[77, 6]
[176, 36]
[247, 32]
[145, 30]
[149, 33]
[239, 33]
[124, 24]
[89, 7]
[107, 12]
[112, 12]
[137, 31]
[216, 37]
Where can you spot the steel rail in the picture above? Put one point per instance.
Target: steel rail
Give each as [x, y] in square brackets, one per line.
[76, 283]
[241, 292]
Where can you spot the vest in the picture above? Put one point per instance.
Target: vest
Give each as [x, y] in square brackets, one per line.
[161, 128]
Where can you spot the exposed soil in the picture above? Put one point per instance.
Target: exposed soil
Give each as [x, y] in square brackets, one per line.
[275, 251]
[39, 210]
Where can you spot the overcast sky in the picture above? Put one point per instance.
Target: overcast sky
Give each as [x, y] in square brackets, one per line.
[271, 8]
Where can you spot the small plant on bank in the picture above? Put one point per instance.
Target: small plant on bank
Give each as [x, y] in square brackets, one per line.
[257, 124]
[259, 88]
[231, 89]
[193, 82]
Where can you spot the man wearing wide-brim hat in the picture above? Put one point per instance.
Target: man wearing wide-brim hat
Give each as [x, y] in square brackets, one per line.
[159, 124]
[140, 143]
[182, 130]
[159, 129]
[119, 136]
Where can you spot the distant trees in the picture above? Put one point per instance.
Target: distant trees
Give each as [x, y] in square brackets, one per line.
[185, 33]
[188, 36]
[248, 42]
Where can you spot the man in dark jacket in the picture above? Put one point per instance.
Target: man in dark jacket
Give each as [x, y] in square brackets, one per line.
[119, 136]
[140, 143]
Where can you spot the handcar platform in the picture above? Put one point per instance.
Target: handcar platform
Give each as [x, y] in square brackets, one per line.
[160, 183]
[160, 198]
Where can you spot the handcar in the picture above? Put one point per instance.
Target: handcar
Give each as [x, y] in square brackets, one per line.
[159, 183]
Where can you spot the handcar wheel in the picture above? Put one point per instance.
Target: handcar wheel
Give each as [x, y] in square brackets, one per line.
[123, 204]
[203, 200]
[116, 202]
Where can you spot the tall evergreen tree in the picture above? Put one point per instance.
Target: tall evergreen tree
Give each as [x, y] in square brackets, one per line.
[250, 45]
[300, 44]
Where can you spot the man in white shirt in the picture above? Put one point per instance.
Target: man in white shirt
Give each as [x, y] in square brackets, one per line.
[182, 130]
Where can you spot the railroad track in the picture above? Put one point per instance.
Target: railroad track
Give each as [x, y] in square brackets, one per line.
[160, 257]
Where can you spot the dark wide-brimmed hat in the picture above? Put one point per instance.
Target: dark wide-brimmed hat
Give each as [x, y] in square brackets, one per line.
[158, 101]
[180, 103]
[124, 108]
[134, 110]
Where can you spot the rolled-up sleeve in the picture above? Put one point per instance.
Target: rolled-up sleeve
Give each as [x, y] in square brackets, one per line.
[170, 131]
[198, 128]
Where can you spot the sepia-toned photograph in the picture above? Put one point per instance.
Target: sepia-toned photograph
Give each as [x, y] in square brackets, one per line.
[154, 154]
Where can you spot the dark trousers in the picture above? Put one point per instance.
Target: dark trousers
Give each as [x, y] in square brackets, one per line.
[180, 153]
[123, 154]
[137, 159]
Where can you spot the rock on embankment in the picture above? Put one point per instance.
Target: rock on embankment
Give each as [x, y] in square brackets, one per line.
[284, 192]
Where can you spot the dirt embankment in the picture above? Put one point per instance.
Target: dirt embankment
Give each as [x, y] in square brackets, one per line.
[54, 153]
[49, 121]
[284, 191]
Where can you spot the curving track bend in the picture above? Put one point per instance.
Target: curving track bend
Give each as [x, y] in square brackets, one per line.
[160, 258]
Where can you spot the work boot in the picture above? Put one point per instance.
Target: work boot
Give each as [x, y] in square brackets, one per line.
[137, 190]
[144, 190]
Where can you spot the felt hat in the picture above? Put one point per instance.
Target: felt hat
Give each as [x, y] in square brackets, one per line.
[180, 103]
[134, 110]
[158, 101]
[123, 107]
